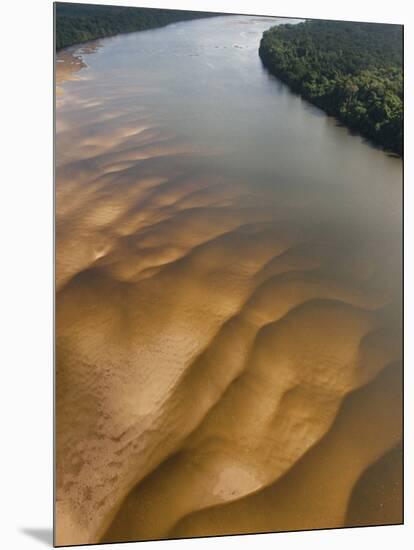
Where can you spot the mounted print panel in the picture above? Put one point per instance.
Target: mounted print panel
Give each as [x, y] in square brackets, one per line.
[228, 274]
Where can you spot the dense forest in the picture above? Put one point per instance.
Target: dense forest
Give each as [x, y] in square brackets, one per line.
[352, 71]
[77, 23]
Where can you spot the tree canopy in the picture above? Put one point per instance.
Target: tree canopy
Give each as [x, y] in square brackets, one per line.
[76, 23]
[351, 70]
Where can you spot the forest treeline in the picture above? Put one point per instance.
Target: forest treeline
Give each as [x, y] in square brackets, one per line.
[76, 23]
[352, 71]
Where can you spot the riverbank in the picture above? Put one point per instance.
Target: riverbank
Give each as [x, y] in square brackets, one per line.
[352, 71]
[78, 23]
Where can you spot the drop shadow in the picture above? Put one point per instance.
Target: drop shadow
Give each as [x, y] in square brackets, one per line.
[44, 535]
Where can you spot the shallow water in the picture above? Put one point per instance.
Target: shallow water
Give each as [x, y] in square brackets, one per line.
[228, 272]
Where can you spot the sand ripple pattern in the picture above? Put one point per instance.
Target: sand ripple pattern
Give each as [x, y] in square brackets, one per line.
[225, 364]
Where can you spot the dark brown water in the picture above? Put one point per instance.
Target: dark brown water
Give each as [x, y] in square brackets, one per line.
[229, 278]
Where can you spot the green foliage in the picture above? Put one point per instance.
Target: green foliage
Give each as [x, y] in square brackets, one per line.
[351, 70]
[77, 23]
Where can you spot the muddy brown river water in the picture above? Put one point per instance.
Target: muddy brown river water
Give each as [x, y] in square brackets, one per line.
[228, 309]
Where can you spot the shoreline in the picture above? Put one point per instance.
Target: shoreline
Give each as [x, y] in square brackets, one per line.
[352, 130]
[297, 72]
[79, 24]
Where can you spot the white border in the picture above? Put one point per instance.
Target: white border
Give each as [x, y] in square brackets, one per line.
[27, 277]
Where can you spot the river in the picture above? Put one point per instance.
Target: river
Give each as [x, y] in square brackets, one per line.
[229, 275]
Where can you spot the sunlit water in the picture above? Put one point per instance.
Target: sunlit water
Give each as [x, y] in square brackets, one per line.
[204, 211]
